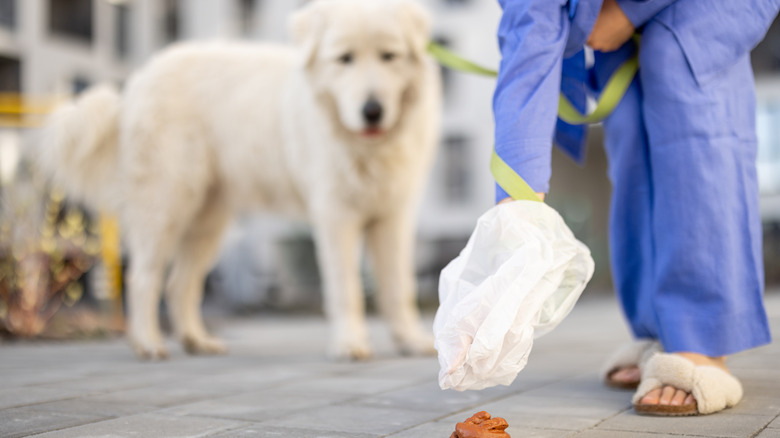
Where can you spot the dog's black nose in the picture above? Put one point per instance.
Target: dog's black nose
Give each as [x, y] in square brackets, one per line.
[372, 112]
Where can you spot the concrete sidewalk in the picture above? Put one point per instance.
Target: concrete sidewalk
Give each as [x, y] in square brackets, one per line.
[276, 382]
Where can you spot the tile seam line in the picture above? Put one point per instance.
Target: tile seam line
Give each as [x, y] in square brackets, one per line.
[71, 427]
[765, 427]
[600, 422]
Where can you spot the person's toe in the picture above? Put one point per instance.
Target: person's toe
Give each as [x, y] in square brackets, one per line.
[651, 398]
[667, 394]
[679, 398]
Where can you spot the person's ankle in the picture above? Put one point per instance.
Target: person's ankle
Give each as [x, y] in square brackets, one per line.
[702, 359]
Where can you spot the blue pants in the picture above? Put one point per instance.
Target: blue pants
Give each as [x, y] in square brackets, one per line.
[685, 232]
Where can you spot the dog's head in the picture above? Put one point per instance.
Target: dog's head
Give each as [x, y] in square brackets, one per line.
[364, 58]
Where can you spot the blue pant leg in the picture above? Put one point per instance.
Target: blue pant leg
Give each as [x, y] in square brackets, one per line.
[631, 246]
[705, 222]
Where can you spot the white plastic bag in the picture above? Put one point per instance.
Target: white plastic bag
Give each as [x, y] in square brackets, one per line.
[518, 277]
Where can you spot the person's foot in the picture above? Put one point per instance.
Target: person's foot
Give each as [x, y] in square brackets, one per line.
[669, 395]
[623, 369]
[626, 376]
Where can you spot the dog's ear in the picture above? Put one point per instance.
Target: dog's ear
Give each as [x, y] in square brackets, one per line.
[416, 23]
[305, 27]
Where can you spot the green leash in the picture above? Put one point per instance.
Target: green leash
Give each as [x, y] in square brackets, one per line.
[613, 92]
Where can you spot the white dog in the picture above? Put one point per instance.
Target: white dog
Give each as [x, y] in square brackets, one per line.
[340, 129]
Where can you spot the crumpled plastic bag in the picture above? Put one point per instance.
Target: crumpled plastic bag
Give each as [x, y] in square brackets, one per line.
[519, 275]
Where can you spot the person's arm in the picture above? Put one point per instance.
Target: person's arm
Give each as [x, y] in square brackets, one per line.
[640, 12]
[532, 36]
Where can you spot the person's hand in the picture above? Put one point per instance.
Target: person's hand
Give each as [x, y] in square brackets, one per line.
[612, 28]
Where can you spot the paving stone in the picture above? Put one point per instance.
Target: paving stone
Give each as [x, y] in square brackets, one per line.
[600, 433]
[160, 396]
[258, 378]
[102, 408]
[93, 385]
[527, 410]
[723, 424]
[259, 406]
[769, 433]
[18, 422]
[148, 426]
[278, 432]
[347, 385]
[587, 386]
[24, 396]
[357, 419]
[429, 397]
[757, 405]
[763, 382]
[424, 368]
[34, 376]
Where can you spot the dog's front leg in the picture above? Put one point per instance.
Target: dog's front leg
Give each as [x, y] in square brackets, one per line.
[337, 238]
[391, 245]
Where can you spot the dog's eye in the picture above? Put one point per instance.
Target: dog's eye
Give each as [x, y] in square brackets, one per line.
[346, 58]
[388, 56]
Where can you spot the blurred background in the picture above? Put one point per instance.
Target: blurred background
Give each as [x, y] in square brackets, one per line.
[56, 259]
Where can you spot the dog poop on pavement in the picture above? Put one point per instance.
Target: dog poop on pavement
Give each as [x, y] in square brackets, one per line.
[480, 425]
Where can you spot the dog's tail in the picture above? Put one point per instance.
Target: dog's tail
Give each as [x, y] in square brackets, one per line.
[79, 150]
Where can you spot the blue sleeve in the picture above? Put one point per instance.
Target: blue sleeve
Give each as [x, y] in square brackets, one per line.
[715, 34]
[532, 36]
[640, 12]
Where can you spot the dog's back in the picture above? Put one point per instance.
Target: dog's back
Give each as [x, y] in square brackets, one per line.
[222, 104]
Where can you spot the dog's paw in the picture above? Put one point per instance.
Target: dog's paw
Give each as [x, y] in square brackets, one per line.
[350, 350]
[149, 350]
[419, 343]
[203, 345]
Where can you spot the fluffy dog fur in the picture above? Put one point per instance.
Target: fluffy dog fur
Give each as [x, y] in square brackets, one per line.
[204, 132]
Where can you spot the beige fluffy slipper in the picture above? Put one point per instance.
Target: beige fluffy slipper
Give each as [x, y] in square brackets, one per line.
[636, 353]
[712, 388]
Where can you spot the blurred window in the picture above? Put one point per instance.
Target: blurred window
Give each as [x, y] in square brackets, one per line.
[171, 17]
[72, 18]
[10, 75]
[122, 30]
[8, 13]
[79, 84]
[247, 10]
[457, 169]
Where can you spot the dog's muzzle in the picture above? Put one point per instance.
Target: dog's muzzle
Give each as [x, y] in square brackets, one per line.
[372, 112]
